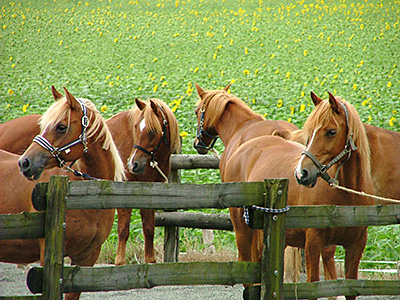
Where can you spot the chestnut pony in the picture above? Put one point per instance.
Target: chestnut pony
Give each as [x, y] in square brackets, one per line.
[146, 136]
[73, 130]
[222, 114]
[332, 127]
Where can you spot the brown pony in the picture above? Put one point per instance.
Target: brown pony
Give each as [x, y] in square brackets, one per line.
[91, 146]
[336, 137]
[146, 136]
[222, 114]
[385, 173]
[17, 134]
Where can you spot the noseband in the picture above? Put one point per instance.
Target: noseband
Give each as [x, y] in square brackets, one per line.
[56, 152]
[350, 146]
[164, 139]
[201, 131]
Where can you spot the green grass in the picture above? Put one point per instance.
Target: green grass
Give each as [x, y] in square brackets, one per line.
[273, 52]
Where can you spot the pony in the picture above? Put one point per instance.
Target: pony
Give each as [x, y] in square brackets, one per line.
[222, 114]
[383, 144]
[72, 130]
[17, 134]
[146, 136]
[333, 125]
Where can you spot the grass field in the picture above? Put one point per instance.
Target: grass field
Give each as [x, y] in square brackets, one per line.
[273, 52]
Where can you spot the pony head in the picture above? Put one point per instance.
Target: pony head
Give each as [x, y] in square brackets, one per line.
[209, 108]
[331, 133]
[156, 134]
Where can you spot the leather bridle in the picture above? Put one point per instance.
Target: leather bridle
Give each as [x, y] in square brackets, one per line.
[201, 131]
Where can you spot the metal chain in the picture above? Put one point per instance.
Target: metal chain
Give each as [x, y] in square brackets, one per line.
[246, 215]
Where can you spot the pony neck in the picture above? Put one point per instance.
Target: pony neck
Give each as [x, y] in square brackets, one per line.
[97, 162]
[233, 121]
[351, 176]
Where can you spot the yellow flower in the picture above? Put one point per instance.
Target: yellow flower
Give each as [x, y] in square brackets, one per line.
[287, 74]
[365, 102]
[391, 121]
[305, 52]
[196, 70]
[183, 134]
[246, 51]
[279, 103]
[291, 110]
[10, 91]
[389, 84]
[246, 72]
[103, 108]
[50, 61]
[155, 88]
[302, 108]
[8, 105]
[354, 86]
[154, 60]
[116, 40]
[24, 108]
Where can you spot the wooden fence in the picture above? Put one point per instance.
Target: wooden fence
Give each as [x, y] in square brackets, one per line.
[54, 279]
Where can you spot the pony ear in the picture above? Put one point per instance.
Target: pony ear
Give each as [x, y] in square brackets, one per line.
[155, 107]
[56, 94]
[200, 91]
[334, 103]
[72, 102]
[227, 87]
[140, 104]
[315, 99]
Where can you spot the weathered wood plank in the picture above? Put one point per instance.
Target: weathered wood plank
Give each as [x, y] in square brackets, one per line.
[22, 225]
[342, 216]
[31, 297]
[193, 161]
[348, 287]
[55, 238]
[85, 279]
[163, 196]
[194, 220]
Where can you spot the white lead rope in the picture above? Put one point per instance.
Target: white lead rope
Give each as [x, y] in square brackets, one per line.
[154, 164]
[336, 186]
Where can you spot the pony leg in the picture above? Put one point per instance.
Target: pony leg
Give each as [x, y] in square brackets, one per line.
[292, 264]
[352, 258]
[148, 224]
[243, 234]
[124, 220]
[328, 261]
[87, 261]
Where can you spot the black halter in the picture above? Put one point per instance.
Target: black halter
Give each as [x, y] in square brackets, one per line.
[163, 138]
[201, 131]
[348, 148]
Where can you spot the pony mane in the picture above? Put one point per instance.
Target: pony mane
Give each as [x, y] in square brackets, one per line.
[215, 101]
[323, 114]
[153, 124]
[97, 125]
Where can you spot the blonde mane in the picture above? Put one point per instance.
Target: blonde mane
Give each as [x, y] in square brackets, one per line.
[153, 124]
[322, 115]
[215, 101]
[97, 125]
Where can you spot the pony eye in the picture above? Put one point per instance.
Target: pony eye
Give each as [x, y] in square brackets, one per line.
[331, 132]
[61, 128]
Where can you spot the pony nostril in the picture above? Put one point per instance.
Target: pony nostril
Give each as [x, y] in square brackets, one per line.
[25, 164]
[135, 166]
[305, 174]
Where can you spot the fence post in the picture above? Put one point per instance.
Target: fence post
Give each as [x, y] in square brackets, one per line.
[171, 234]
[274, 240]
[55, 238]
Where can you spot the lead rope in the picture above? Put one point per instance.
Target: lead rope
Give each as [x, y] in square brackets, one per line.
[154, 164]
[337, 186]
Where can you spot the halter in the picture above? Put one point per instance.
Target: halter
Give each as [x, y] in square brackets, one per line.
[164, 139]
[350, 146]
[201, 131]
[56, 152]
